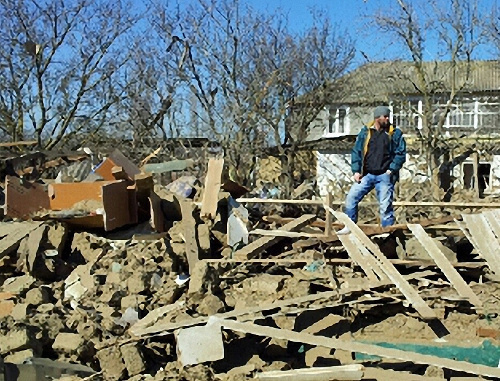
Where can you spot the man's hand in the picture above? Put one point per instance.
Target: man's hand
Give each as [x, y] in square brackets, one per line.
[388, 172]
[357, 177]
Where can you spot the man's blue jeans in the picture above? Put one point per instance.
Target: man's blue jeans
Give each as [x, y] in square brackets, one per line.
[384, 188]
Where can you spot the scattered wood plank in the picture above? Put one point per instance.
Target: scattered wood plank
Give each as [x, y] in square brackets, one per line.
[258, 246]
[334, 296]
[20, 143]
[212, 187]
[492, 217]
[341, 261]
[484, 240]
[379, 374]
[373, 229]
[9, 242]
[449, 271]
[413, 297]
[189, 233]
[352, 346]
[340, 372]
[284, 234]
[356, 255]
[169, 166]
[152, 317]
[396, 203]
[328, 218]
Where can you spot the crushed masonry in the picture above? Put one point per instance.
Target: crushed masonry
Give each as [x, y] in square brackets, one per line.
[108, 273]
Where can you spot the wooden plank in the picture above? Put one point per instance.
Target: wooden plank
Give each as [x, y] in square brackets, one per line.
[341, 261]
[484, 240]
[211, 190]
[367, 256]
[353, 346]
[396, 203]
[493, 217]
[261, 244]
[335, 296]
[169, 166]
[328, 217]
[284, 234]
[379, 374]
[340, 372]
[20, 143]
[9, 242]
[463, 227]
[413, 297]
[356, 255]
[373, 229]
[448, 270]
[189, 233]
[152, 317]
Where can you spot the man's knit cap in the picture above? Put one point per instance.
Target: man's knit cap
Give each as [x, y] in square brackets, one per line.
[381, 111]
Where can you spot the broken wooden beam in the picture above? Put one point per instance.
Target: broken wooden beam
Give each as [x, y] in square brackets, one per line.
[260, 245]
[408, 291]
[357, 256]
[211, 190]
[368, 349]
[340, 372]
[483, 240]
[448, 270]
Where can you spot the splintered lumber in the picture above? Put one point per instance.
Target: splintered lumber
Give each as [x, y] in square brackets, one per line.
[448, 270]
[21, 143]
[372, 229]
[370, 259]
[492, 217]
[334, 296]
[17, 231]
[153, 316]
[356, 255]
[342, 261]
[261, 244]
[411, 295]
[353, 346]
[340, 372]
[189, 232]
[169, 166]
[396, 203]
[380, 374]
[281, 233]
[484, 240]
[212, 187]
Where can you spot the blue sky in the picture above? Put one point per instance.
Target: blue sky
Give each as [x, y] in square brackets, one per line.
[349, 14]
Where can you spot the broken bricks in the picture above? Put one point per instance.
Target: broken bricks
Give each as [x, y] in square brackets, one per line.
[124, 296]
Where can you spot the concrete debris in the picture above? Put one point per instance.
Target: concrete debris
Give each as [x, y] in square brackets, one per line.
[109, 274]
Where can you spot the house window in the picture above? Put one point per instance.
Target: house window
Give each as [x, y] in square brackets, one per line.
[406, 114]
[461, 115]
[483, 175]
[341, 120]
[337, 123]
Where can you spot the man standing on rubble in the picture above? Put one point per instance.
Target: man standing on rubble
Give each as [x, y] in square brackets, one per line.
[376, 158]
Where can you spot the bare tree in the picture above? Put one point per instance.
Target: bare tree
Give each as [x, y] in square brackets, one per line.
[492, 29]
[245, 70]
[61, 67]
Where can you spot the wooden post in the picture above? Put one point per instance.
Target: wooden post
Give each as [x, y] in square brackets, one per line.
[475, 168]
[328, 215]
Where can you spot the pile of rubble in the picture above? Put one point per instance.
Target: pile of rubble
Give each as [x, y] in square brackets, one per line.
[109, 275]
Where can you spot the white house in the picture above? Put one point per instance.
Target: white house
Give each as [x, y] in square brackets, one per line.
[473, 119]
